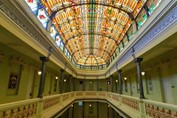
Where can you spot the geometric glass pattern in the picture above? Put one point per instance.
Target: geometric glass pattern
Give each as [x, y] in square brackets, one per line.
[91, 33]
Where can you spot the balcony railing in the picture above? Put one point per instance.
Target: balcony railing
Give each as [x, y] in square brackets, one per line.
[51, 105]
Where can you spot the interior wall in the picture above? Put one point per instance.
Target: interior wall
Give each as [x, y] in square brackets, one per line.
[25, 71]
[159, 81]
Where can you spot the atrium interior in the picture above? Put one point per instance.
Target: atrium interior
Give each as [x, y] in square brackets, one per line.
[88, 58]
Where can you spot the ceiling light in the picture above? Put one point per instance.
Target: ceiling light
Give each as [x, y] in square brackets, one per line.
[64, 80]
[125, 78]
[108, 82]
[56, 77]
[39, 72]
[90, 82]
[116, 80]
[90, 105]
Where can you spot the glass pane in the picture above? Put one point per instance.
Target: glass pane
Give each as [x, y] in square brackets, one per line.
[58, 40]
[142, 17]
[152, 4]
[130, 33]
[33, 4]
[53, 32]
[121, 46]
[42, 16]
[61, 46]
[125, 40]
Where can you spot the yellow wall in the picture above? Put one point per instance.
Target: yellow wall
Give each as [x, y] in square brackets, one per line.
[162, 70]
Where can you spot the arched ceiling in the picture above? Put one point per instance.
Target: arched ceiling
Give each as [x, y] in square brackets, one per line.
[91, 30]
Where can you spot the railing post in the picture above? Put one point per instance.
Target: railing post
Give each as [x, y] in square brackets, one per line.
[142, 109]
[40, 108]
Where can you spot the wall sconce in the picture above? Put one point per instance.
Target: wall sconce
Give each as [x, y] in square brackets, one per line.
[56, 77]
[90, 105]
[108, 82]
[64, 80]
[90, 82]
[72, 105]
[125, 78]
[143, 73]
[116, 80]
[39, 72]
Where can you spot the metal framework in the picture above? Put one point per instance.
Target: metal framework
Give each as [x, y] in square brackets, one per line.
[92, 29]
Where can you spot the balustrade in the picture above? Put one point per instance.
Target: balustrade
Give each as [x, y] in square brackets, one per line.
[51, 101]
[131, 102]
[115, 97]
[30, 108]
[160, 110]
[21, 109]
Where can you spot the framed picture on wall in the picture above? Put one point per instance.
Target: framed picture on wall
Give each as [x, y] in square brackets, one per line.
[13, 80]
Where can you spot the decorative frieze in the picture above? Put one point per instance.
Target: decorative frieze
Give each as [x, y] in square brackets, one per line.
[17, 60]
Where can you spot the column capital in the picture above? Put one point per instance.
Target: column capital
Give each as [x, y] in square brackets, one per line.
[62, 70]
[43, 59]
[70, 76]
[138, 60]
[119, 71]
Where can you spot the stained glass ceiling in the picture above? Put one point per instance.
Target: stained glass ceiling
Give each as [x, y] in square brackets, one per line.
[92, 32]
